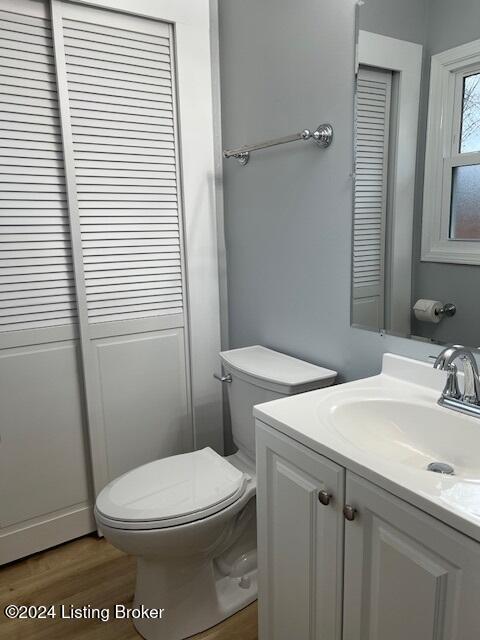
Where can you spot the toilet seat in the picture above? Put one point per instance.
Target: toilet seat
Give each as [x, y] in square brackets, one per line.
[176, 490]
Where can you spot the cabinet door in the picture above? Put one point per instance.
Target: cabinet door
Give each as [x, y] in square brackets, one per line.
[300, 541]
[407, 575]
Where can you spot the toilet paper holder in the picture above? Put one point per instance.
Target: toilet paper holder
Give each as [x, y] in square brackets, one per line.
[434, 311]
[447, 311]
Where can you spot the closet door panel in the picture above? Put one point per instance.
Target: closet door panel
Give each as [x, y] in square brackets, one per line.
[372, 119]
[127, 49]
[43, 454]
[144, 398]
[34, 234]
[117, 88]
[45, 497]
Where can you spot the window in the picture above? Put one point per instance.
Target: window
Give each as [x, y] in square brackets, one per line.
[451, 212]
[465, 189]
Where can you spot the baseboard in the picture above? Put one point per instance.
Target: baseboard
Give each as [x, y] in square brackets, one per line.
[48, 531]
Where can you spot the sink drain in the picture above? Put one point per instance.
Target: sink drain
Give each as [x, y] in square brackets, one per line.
[441, 467]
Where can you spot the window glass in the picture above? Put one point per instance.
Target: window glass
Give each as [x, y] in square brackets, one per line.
[465, 218]
[470, 138]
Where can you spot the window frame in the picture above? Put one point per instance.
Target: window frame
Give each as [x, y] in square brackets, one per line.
[448, 69]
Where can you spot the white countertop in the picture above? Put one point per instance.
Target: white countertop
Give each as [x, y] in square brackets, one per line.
[307, 418]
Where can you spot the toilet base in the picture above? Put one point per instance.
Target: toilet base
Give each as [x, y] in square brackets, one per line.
[194, 596]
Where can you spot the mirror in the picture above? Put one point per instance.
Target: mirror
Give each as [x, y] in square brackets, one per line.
[416, 214]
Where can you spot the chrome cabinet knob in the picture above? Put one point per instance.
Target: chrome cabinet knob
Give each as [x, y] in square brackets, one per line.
[349, 512]
[324, 497]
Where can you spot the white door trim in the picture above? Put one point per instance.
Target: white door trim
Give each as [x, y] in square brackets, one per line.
[404, 58]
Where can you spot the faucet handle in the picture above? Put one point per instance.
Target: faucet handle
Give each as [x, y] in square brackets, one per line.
[471, 389]
[447, 356]
[451, 389]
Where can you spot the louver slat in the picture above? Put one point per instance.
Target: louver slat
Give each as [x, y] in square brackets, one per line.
[122, 118]
[36, 279]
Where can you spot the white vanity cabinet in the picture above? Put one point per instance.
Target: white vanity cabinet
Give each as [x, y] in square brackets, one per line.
[407, 575]
[390, 573]
[300, 540]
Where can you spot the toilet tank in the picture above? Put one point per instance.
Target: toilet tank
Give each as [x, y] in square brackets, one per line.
[260, 375]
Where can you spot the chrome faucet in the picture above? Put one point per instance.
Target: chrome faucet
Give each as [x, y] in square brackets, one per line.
[469, 400]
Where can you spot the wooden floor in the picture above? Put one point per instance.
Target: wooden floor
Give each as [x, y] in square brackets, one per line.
[87, 571]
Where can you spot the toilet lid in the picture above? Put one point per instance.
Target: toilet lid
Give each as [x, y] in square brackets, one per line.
[184, 487]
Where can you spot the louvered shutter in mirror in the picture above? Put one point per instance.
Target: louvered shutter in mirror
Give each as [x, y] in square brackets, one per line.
[36, 279]
[371, 163]
[122, 114]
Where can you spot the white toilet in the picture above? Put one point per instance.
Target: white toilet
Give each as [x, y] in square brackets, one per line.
[190, 519]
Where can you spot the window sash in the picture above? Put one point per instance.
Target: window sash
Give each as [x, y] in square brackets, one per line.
[449, 164]
[458, 107]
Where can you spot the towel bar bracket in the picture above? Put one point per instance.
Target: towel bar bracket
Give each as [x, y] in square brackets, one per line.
[323, 135]
[242, 158]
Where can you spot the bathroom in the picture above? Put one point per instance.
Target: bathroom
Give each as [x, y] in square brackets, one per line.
[321, 278]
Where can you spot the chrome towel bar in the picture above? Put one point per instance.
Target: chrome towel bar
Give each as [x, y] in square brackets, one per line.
[322, 135]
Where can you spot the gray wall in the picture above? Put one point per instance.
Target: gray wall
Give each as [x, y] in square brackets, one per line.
[451, 24]
[288, 214]
[404, 19]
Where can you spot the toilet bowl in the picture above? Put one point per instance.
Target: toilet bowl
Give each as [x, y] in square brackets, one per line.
[179, 516]
[190, 519]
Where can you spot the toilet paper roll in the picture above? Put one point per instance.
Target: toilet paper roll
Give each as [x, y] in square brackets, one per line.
[428, 310]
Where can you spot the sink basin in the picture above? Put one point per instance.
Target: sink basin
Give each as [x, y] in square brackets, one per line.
[414, 434]
[388, 429]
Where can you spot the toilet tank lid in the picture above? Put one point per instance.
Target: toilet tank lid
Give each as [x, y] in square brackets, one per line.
[291, 375]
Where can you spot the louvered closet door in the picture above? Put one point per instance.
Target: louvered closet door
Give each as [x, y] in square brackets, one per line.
[36, 280]
[370, 205]
[117, 91]
[41, 414]
[121, 108]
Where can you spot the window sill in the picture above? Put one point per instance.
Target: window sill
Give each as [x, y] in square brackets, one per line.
[452, 251]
